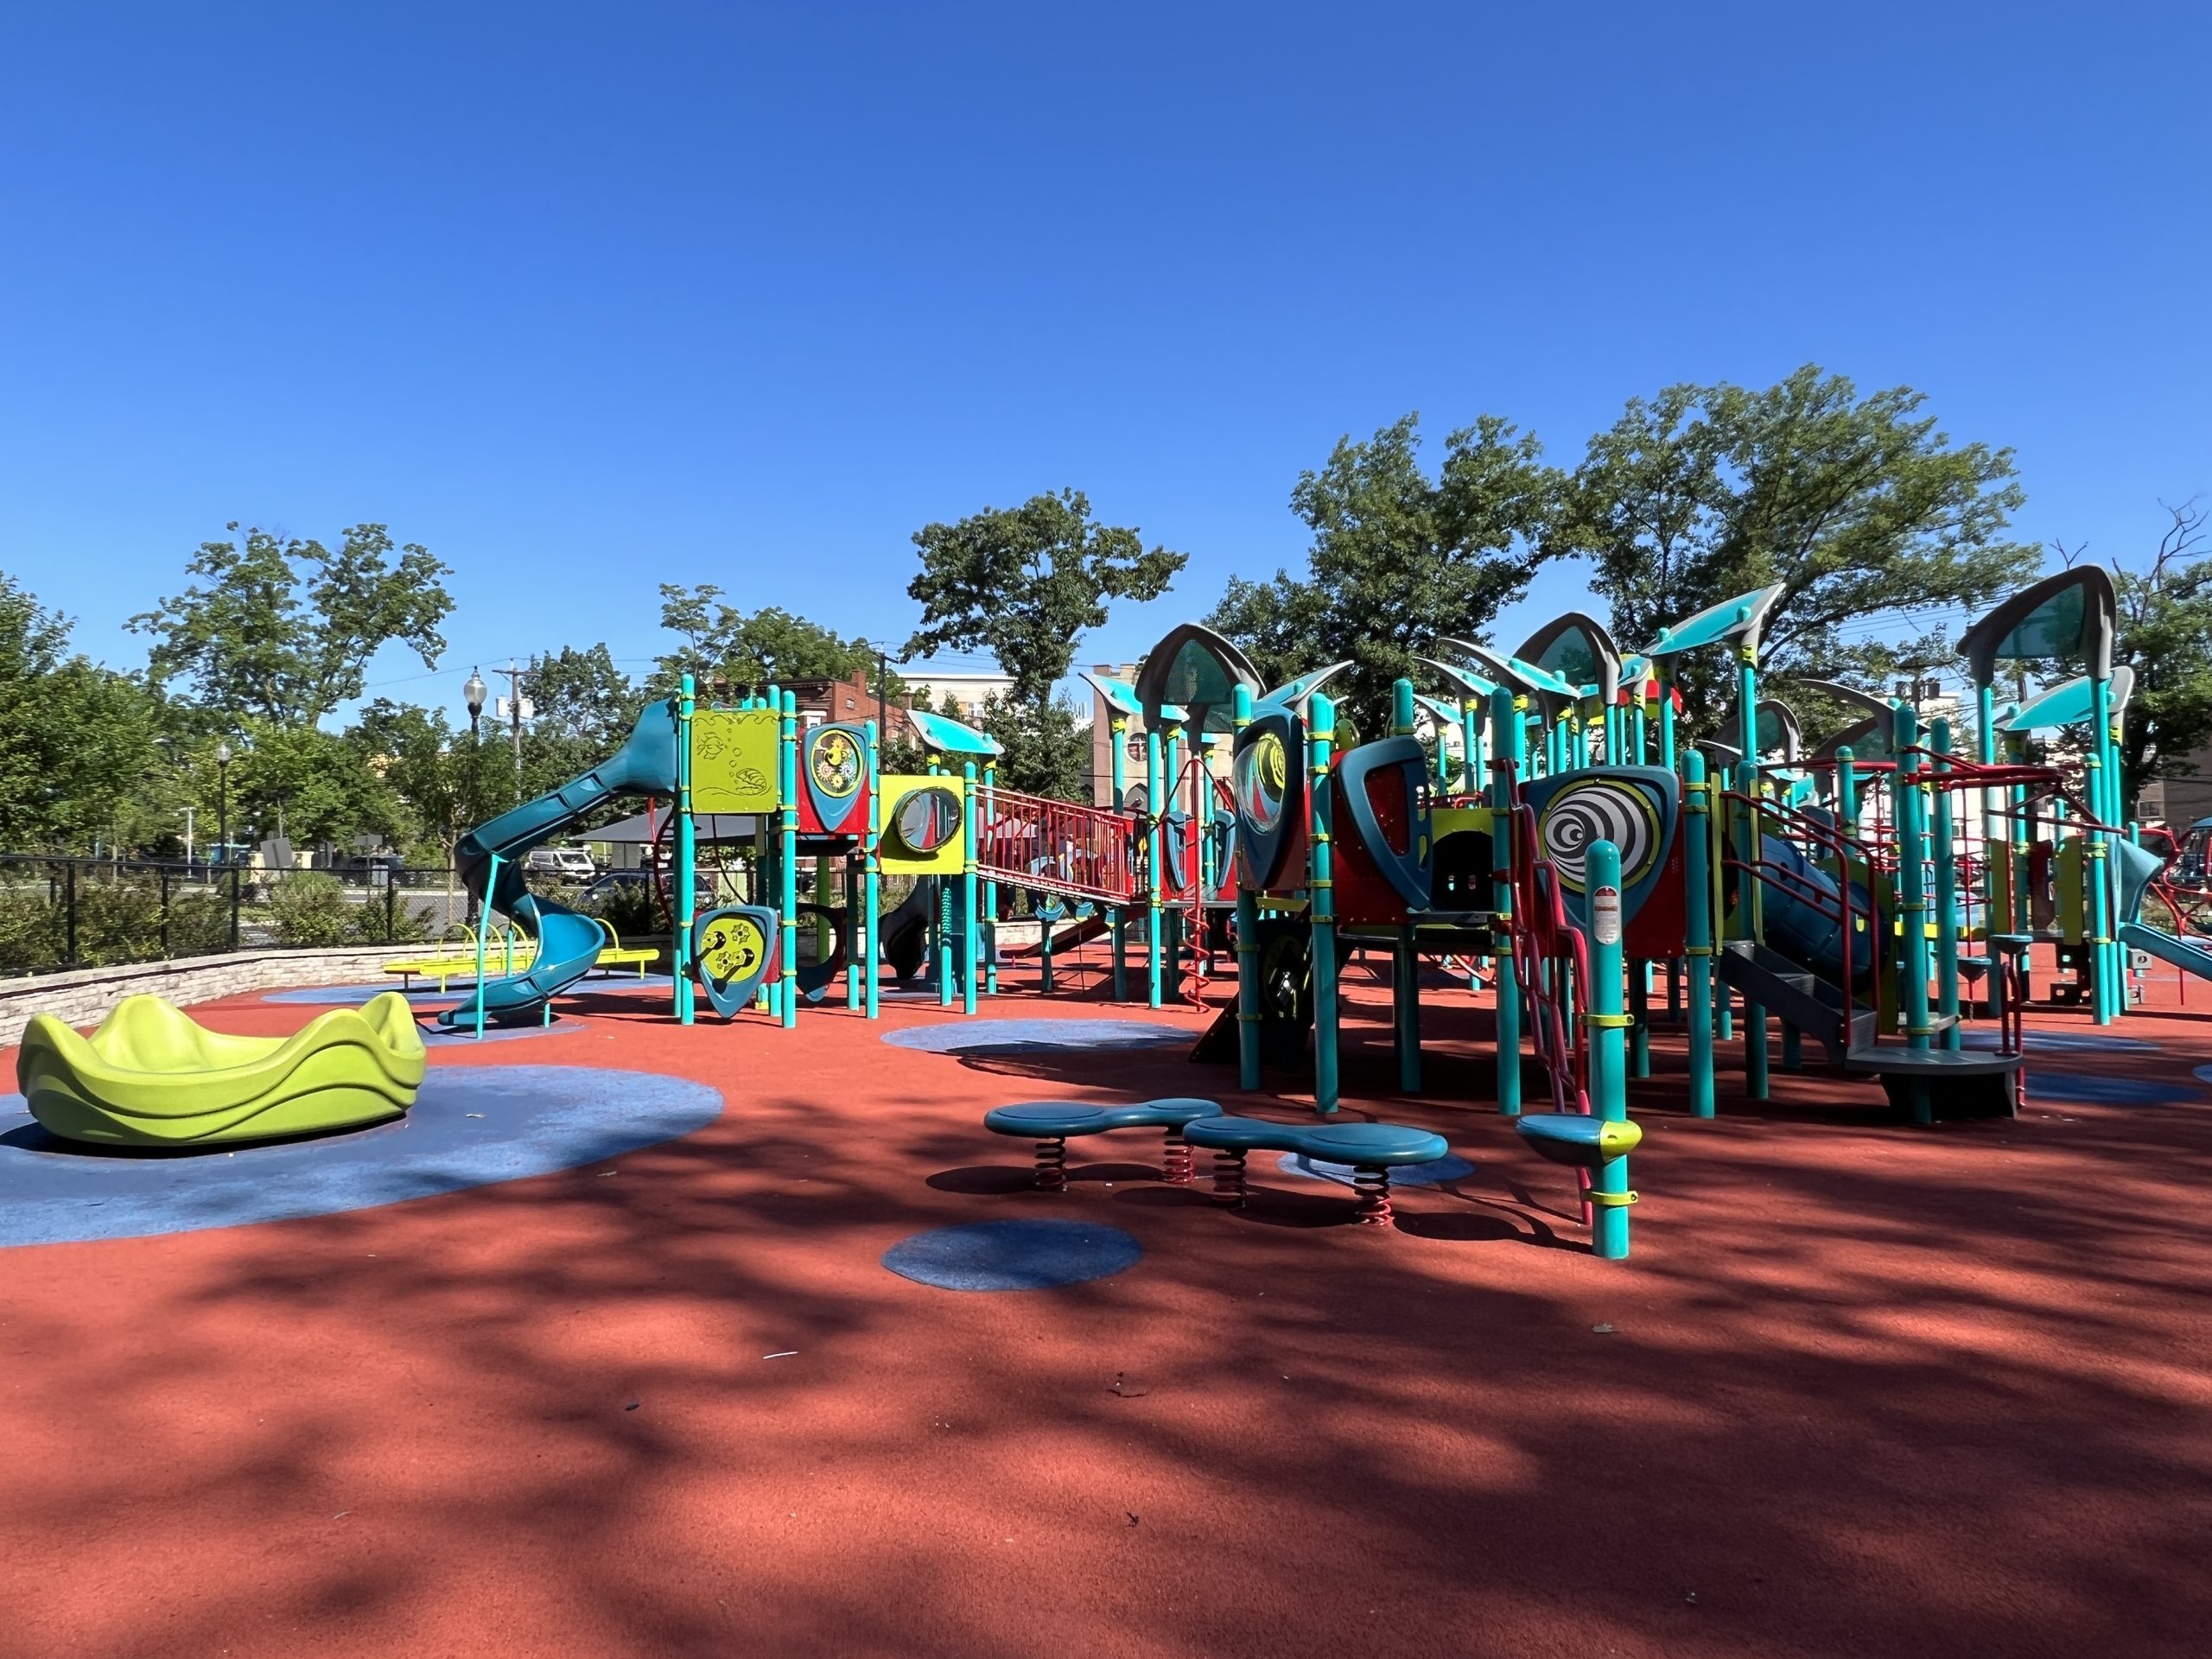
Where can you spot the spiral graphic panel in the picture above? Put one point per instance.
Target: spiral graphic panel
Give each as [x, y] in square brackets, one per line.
[1633, 807]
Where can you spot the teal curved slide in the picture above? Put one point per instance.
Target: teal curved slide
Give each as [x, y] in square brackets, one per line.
[569, 943]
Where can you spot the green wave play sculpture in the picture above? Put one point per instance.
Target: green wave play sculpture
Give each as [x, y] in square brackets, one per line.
[151, 1075]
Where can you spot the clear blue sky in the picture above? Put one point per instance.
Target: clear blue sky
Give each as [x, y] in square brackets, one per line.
[588, 298]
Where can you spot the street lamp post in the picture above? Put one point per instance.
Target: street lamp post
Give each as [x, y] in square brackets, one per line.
[223, 828]
[474, 692]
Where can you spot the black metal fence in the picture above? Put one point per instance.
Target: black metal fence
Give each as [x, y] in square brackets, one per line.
[86, 913]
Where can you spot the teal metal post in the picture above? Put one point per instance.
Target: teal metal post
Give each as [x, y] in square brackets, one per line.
[1154, 808]
[1248, 947]
[1747, 704]
[1118, 919]
[1947, 891]
[1470, 744]
[1912, 901]
[990, 946]
[1507, 737]
[969, 932]
[483, 933]
[871, 945]
[1697, 861]
[687, 856]
[1320, 889]
[2096, 854]
[1405, 955]
[1609, 1191]
[787, 856]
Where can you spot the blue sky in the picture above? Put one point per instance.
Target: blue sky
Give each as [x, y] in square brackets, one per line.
[588, 298]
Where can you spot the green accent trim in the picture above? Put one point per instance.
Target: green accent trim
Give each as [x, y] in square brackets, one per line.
[1610, 1021]
[1610, 1200]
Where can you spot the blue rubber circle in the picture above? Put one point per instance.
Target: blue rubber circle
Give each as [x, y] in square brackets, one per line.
[2106, 1091]
[1037, 1036]
[470, 1126]
[2203, 1074]
[1434, 1174]
[1012, 1254]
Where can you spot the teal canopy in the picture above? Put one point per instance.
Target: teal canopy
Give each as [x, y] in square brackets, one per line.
[949, 736]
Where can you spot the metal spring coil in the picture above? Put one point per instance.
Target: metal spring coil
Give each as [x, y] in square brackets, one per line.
[1175, 1157]
[1228, 1176]
[1053, 1166]
[1371, 1188]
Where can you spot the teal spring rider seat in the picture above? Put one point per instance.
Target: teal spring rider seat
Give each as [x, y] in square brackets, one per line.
[1053, 1123]
[1372, 1150]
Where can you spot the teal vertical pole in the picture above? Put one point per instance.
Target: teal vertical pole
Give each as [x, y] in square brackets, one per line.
[1912, 901]
[1118, 919]
[969, 929]
[787, 786]
[1247, 949]
[1470, 748]
[1747, 705]
[1154, 808]
[1946, 892]
[1663, 671]
[990, 815]
[1506, 737]
[1406, 981]
[1697, 863]
[1609, 1193]
[1320, 887]
[2096, 859]
[687, 856]
[483, 933]
[871, 969]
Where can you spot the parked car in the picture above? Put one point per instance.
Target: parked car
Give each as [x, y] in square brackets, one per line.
[560, 864]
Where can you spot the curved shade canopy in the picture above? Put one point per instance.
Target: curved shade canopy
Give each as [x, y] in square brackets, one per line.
[1576, 647]
[1516, 675]
[2071, 704]
[1778, 730]
[1473, 687]
[1293, 695]
[1196, 667]
[949, 736]
[1743, 619]
[1868, 739]
[2065, 618]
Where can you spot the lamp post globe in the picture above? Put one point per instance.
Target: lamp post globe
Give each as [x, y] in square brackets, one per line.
[473, 692]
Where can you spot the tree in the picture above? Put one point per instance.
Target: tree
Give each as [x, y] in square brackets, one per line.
[1859, 506]
[449, 782]
[80, 761]
[282, 632]
[1026, 582]
[1398, 560]
[1048, 749]
[770, 646]
[583, 707]
[2165, 633]
[307, 784]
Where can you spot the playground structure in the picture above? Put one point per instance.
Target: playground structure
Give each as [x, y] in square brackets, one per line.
[1575, 856]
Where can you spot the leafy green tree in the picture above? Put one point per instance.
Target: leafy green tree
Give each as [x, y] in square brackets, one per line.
[1858, 506]
[310, 785]
[583, 708]
[1398, 560]
[449, 781]
[80, 761]
[2165, 633]
[1047, 748]
[724, 645]
[280, 631]
[1026, 582]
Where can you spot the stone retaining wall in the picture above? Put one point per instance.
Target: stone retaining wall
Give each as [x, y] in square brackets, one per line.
[84, 996]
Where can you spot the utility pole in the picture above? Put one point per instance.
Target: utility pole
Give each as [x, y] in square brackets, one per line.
[882, 698]
[515, 711]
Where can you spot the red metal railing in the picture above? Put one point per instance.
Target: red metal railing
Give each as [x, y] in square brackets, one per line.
[1080, 852]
